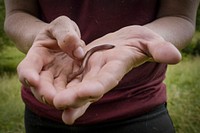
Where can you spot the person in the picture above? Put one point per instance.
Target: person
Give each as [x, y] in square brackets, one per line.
[121, 89]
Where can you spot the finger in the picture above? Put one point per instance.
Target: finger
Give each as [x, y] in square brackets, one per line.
[74, 82]
[107, 77]
[46, 89]
[67, 34]
[97, 80]
[93, 66]
[92, 87]
[71, 44]
[69, 98]
[61, 81]
[71, 114]
[36, 95]
[29, 68]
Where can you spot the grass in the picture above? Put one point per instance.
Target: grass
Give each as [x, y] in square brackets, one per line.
[11, 105]
[9, 59]
[183, 95]
[182, 82]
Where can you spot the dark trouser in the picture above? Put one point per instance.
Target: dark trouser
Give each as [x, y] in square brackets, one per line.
[157, 121]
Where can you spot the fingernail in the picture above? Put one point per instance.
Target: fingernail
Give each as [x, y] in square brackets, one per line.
[32, 89]
[79, 53]
[44, 100]
[27, 83]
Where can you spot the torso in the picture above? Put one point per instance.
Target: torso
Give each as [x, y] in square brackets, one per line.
[141, 89]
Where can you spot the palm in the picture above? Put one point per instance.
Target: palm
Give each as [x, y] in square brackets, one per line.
[106, 68]
[102, 73]
[46, 68]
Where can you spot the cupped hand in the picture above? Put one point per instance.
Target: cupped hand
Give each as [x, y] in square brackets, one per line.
[134, 45]
[55, 54]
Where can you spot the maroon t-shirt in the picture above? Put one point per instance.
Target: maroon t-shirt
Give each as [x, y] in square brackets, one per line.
[140, 90]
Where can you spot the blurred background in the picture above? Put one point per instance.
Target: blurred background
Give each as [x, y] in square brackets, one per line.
[182, 83]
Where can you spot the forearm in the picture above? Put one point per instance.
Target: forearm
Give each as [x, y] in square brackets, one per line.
[176, 21]
[176, 30]
[22, 28]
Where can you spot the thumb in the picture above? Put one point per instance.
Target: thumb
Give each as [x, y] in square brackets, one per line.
[163, 52]
[68, 37]
[71, 114]
[167, 54]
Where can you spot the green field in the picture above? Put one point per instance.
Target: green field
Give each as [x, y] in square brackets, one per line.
[183, 94]
[11, 105]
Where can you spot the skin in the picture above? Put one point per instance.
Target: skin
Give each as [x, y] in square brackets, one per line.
[86, 58]
[53, 50]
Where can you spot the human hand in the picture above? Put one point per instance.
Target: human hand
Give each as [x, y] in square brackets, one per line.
[47, 63]
[133, 46]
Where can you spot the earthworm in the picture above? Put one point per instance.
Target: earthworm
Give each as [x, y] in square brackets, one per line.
[86, 58]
